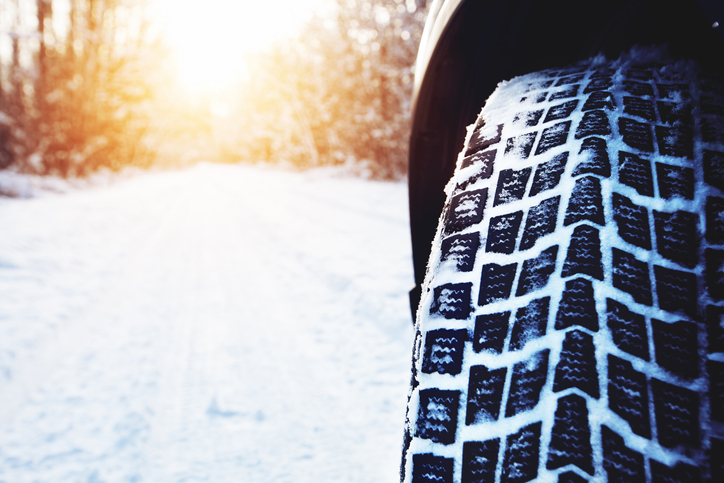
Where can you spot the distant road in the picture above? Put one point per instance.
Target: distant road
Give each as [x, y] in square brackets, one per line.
[218, 324]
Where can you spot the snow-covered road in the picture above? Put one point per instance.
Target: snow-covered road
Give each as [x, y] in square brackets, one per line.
[218, 324]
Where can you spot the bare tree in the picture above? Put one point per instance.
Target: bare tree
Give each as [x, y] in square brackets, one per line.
[15, 74]
[44, 12]
[76, 101]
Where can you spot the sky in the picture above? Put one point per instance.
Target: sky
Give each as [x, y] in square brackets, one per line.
[208, 42]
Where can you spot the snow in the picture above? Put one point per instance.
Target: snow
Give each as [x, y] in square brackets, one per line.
[222, 324]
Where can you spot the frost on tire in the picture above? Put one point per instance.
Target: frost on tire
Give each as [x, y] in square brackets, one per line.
[571, 327]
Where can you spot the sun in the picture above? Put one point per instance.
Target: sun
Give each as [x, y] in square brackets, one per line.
[210, 39]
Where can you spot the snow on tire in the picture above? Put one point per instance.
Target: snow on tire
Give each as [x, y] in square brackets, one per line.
[571, 323]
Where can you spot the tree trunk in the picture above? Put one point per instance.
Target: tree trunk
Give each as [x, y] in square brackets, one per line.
[44, 12]
[72, 26]
[16, 77]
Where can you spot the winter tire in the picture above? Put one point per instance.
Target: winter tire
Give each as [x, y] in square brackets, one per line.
[571, 325]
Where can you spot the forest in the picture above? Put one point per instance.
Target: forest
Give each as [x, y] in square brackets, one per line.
[87, 85]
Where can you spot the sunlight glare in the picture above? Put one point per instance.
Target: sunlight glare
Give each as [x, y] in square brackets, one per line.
[209, 39]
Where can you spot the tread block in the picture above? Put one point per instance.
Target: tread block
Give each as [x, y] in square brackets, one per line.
[598, 84]
[714, 169]
[635, 172]
[669, 76]
[622, 464]
[479, 461]
[571, 477]
[520, 463]
[526, 383]
[586, 202]
[452, 300]
[570, 79]
[530, 323]
[461, 250]
[577, 365]
[577, 306]
[444, 351]
[628, 329]
[520, 146]
[714, 273]
[568, 92]
[715, 328]
[548, 175]
[603, 72]
[632, 276]
[640, 73]
[464, 183]
[643, 108]
[485, 159]
[528, 118]
[628, 395]
[540, 85]
[555, 135]
[680, 473]
[485, 393]
[561, 111]
[677, 237]
[673, 92]
[535, 98]
[596, 161]
[438, 415]
[712, 130]
[675, 181]
[496, 282]
[536, 271]
[677, 347]
[503, 232]
[483, 138]
[428, 468]
[715, 220]
[638, 88]
[490, 332]
[571, 436]
[466, 209]
[632, 221]
[673, 113]
[540, 222]
[677, 290]
[677, 414]
[716, 389]
[511, 185]
[675, 141]
[636, 134]
[594, 123]
[584, 253]
[601, 99]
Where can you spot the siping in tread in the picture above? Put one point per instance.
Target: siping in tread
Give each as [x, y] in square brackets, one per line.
[571, 327]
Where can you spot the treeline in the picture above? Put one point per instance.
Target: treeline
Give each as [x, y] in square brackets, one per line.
[341, 93]
[75, 90]
[80, 91]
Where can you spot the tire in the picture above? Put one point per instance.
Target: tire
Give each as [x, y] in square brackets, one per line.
[571, 325]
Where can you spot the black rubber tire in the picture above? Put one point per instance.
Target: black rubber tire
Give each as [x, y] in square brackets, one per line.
[570, 326]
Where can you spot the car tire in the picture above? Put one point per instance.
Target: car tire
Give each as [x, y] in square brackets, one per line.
[571, 322]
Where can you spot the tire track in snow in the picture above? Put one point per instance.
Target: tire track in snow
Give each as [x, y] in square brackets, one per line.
[233, 353]
[78, 405]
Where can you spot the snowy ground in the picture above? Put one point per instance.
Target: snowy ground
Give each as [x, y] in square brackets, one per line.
[219, 324]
